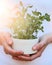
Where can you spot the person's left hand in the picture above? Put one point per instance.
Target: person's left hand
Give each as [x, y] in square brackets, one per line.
[7, 42]
[40, 46]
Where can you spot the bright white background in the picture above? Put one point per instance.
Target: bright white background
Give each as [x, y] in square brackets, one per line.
[46, 58]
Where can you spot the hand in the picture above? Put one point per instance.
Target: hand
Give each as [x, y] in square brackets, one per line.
[6, 40]
[40, 47]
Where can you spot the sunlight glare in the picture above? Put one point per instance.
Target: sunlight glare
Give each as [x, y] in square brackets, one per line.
[4, 12]
[3, 7]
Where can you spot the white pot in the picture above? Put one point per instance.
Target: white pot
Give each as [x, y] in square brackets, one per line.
[24, 45]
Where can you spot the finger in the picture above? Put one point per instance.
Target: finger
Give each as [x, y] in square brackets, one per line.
[30, 58]
[8, 39]
[39, 53]
[10, 51]
[7, 48]
[19, 53]
[19, 57]
[6, 33]
[16, 58]
[24, 58]
[38, 46]
[26, 55]
[3, 35]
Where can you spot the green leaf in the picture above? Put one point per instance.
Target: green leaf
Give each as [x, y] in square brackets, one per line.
[30, 6]
[42, 28]
[34, 37]
[25, 25]
[41, 18]
[21, 3]
[47, 17]
[36, 13]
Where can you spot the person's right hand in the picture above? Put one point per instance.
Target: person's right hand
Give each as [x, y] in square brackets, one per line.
[6, 40]
[40, 47]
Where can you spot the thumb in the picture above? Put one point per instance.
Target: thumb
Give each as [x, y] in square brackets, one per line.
[8, 39]
[10, 42]
[38, 46]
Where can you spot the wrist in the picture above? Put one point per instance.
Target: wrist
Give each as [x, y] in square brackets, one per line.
[48, 38]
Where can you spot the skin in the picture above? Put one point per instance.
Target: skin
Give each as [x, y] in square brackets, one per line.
[6, 41]
[40, 47]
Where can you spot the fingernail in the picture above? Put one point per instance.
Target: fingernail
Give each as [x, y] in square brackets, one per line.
[34, 48]
[10, 40]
